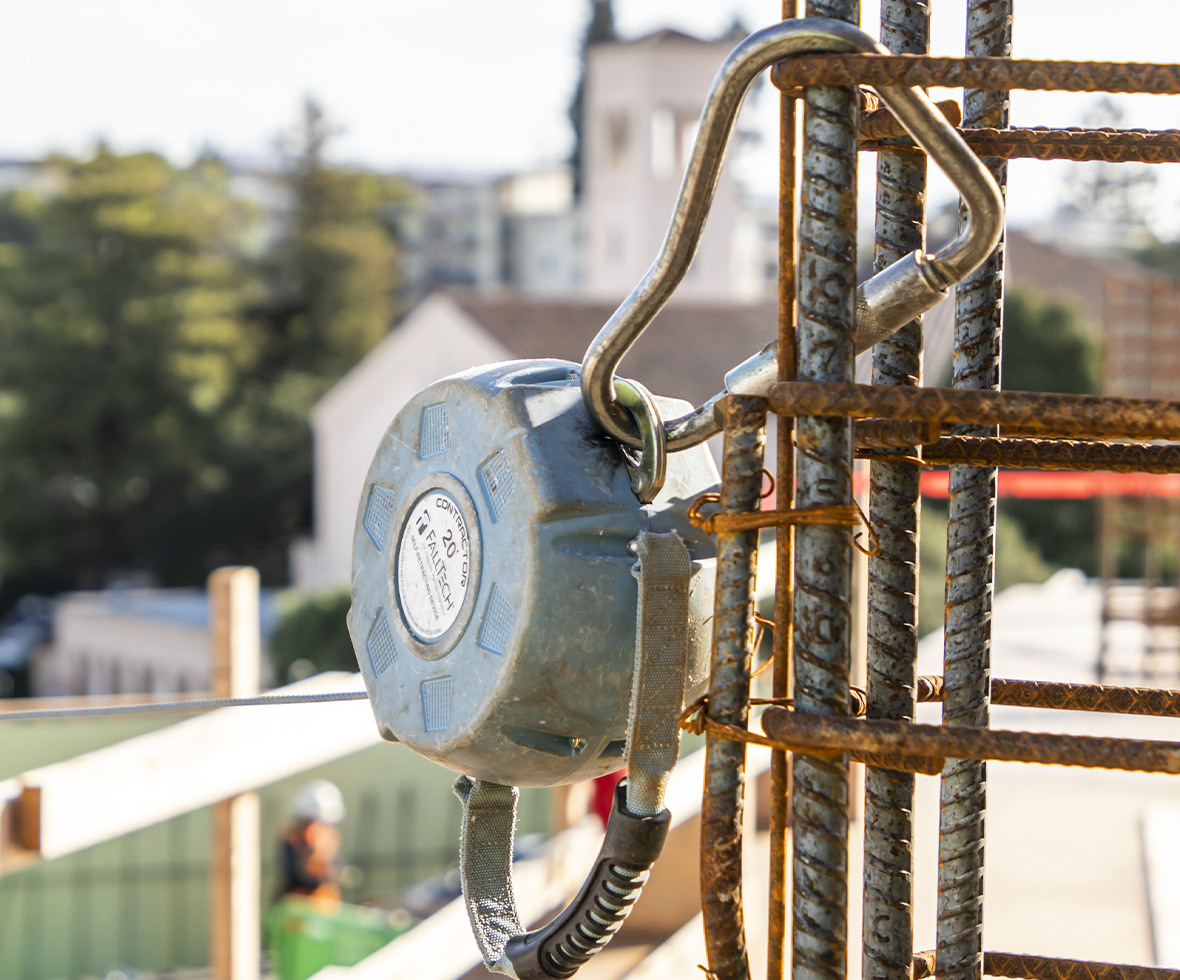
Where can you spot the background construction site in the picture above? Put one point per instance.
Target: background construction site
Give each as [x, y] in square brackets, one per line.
[202, 356]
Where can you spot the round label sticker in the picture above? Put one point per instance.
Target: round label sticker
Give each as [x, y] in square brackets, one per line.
[433, 565]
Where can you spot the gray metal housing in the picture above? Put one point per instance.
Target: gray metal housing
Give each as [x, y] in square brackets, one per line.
[530, 684]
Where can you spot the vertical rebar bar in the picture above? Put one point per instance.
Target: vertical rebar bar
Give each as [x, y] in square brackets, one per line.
[823, 559]
[888, 926]
[785, 540]
[729, 693]
[970, 557]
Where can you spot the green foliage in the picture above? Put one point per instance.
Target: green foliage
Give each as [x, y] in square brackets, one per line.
[312, 628]
[333, 275]
[158, 374]
[123, 346]
[1049, 347]
[1017, 560]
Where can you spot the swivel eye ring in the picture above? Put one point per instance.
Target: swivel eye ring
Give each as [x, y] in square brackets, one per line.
[650, 470]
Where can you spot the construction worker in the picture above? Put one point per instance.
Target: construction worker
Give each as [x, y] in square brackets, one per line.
[310, 864]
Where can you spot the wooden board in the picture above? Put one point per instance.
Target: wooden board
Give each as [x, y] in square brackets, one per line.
[70, 805]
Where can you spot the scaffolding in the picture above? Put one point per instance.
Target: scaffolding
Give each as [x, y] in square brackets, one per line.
[818, 721]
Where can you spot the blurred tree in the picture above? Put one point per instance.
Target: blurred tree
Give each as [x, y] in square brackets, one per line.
[1118, 197]
[601, 28]
[155, 391]
[312, 634]
[334, 272]
[1049, 347]
[331, 281]
[120, 292]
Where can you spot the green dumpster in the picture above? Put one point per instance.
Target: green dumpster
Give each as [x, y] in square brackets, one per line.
[304, 936]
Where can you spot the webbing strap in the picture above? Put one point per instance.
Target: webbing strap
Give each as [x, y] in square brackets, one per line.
[485, 866]
[661, 663]
[653, 740]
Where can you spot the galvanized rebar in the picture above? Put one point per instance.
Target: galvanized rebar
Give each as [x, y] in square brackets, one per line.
[989, 73]
[1023, 412]
[823, 559]
[776, 928]
[892, 622]
[729, 692]
[970, 554]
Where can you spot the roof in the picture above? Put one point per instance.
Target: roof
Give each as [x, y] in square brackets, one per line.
[664, 36]
[685, 353]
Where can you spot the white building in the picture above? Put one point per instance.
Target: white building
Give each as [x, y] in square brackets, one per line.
[685, 353]
[643, 100]
[134, 641]
[525, 233]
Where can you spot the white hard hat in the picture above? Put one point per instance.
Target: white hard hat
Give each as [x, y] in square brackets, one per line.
[319, 800]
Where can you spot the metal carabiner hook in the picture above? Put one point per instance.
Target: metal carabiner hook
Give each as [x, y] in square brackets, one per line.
[884, 303]
[649, 473]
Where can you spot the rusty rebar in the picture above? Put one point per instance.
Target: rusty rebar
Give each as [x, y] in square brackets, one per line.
[988, 73]
[882, 124]
[729, 687]
[892, 433]
[1159, 702]
[970, 551]
[1052, 454]
[823, 555]
[1049, 968]
[776, 929]
[887, 928]
[1033, 412]
[1087, 697]
[1076, 144]
[829, 734]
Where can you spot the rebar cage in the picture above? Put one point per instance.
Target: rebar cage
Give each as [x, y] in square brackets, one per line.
[818, 722]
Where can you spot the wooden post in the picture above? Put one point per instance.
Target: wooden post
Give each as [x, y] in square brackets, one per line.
[234, 890]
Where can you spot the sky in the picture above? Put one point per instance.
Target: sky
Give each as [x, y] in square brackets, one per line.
[453, 85]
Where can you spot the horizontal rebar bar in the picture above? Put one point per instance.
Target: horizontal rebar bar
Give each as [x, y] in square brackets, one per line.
[1049, 968]
[1034, 412]
[826, 735]
[1076, 144]
[1068, 697]
[1048, 454]
[977, 73]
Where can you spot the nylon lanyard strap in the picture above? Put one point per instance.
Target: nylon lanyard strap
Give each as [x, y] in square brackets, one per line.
[653, 740]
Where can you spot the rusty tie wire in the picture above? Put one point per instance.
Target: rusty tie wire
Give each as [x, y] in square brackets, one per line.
[823, 558]
[887, 924]
[978, 73]
[970, 554]
[729, 686]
